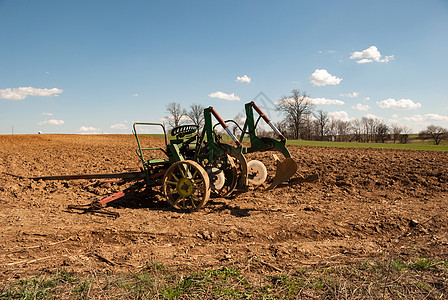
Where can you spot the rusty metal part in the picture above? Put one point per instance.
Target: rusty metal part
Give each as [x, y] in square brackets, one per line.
[97, 206]
[126, 175]
[285, 170]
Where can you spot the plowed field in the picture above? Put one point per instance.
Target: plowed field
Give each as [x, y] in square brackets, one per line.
[368, 203]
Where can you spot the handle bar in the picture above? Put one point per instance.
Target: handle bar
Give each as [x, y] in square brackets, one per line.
[224, 125]
[266, 119]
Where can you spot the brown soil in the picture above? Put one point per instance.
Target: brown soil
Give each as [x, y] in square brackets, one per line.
[368, 204]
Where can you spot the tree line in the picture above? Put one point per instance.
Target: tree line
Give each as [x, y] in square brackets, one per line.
[302, 121]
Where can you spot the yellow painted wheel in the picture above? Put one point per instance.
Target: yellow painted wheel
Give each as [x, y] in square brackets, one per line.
[186, 185]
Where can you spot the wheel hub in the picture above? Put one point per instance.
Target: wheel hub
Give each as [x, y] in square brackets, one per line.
[185, 187]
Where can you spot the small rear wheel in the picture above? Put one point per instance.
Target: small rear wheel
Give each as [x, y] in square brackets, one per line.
[186, 185]
[256, 172]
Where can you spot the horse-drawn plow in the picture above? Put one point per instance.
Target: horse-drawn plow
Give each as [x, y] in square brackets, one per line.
[195, 164]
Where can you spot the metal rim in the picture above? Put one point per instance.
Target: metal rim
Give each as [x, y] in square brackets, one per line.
[256, 172]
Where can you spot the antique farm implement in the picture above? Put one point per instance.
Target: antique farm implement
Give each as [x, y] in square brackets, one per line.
[195, 164]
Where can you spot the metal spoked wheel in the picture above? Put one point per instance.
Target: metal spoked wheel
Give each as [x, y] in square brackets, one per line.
[186, 185]
[228, 173]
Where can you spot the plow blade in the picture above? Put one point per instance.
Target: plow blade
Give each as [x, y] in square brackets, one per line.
[285, 170]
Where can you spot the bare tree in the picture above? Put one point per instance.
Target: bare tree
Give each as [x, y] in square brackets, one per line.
[343, 130]
[356, 129]
[381, 132]
[437, 133]
[238, 119]
[404, 137]
[296, 108]
[176, 114]
[196, 114]
[322, 121]
[396, 132]
[369, 127]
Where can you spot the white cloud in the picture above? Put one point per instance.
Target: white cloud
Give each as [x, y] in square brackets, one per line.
[325, 101]
[370, 116]
[21, 93]
[88, 129]
[366, 98]
[426, 117]
[224, 96]
[46, 114]
[339, 115]
[364, 61]
[400, 104]
[369, 55]
[321, 77]
[135, 95]
[361, 107]
[120, 126]
[350, 95]
[243, 78]
[51, 122]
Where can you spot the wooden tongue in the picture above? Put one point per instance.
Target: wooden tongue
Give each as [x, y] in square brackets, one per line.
[285, 170]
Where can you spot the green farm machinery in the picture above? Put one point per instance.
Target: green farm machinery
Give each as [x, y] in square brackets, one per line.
[195, 164]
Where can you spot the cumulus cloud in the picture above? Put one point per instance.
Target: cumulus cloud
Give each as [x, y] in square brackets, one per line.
[350, 95]
[243, 78]
[369, 55]
[21, 93]
[46, 114]
[361, 107]
[321, 77]
[314, 101]
[120, 126]
[88, 129]
[400, 104]
[224, 96]
[325, 101]
[426, 117]
[51, 122]
[339, 115]
[370, 116]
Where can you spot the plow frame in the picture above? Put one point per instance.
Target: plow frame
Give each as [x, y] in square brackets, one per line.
[260, 144]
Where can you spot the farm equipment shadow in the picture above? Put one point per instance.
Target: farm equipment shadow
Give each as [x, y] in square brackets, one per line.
[154, 200]
[234, 210]
[148, 198]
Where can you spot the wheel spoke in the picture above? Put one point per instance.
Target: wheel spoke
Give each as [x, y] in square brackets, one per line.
[172, 174]
[177, 200]
[198, 181]
[182, 171]
[194, 175]
[192, 202]
[195, 197]
[171, 182]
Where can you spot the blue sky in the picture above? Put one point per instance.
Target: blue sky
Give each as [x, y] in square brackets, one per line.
[97, 66]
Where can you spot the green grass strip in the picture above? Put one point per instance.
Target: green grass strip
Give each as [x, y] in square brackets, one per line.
[389, 279]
